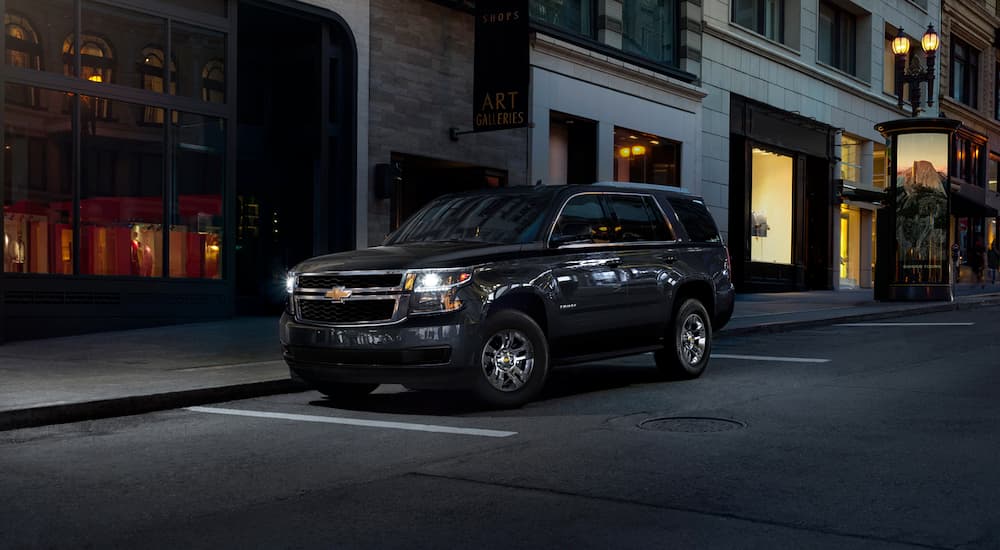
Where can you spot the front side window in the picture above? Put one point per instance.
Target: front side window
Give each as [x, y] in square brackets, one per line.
[574, 16]
[649, 29]
[637, 218]
[764, 17]
[582, 220]
[646, 158]
[964, 72]
[837, 44]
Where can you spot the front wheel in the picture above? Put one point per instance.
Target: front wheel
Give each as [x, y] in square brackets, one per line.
[512, 360]
[688, 342]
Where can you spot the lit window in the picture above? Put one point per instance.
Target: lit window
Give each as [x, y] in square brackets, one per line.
[96, 62]
[645, 158]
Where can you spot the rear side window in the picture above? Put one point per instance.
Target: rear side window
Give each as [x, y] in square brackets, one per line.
[697, 220]
[637, 219]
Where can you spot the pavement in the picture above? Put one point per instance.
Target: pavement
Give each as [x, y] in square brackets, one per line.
[69, 379]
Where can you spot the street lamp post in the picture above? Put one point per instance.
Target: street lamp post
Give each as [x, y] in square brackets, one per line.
[901, 47]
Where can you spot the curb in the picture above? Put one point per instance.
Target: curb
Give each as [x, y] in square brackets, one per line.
[970, 302]
[141, 404]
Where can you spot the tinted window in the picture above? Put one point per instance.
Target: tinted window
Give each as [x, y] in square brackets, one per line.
[584, 210]
[696, 219]
[636, 219]
[501, 218]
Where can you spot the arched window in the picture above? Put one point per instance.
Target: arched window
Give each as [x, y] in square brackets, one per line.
[96, 64]
[22, 51]
[213, 82]
[151, 68]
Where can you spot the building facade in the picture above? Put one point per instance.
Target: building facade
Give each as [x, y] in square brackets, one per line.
[794, 90]
[166, 161]
[613, 96]
[970, 92]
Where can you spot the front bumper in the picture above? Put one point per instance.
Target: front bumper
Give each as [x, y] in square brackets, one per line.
[431, 351]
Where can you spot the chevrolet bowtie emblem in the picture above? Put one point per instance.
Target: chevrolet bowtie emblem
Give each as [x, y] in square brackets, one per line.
[338, 294]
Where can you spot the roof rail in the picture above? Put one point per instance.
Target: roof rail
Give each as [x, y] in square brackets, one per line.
[647, 186]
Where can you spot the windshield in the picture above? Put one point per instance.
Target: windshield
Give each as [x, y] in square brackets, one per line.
[496, 219]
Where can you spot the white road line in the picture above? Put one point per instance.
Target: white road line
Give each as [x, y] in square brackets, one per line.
[905, 325]
[768, 358]
[356, 422]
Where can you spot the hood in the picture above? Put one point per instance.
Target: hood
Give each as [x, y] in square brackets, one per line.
[409, 256]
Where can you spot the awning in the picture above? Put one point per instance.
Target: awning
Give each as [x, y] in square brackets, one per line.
[964, 207]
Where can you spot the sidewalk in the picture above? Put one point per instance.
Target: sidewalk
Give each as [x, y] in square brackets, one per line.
[129, 372]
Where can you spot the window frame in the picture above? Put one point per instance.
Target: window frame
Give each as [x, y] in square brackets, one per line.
[968, 94]
[760, 19]
[837, 36]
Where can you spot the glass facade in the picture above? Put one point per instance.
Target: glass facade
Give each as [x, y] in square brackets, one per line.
[144, 196]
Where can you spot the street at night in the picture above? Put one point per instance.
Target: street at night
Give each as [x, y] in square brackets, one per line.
[878, 434]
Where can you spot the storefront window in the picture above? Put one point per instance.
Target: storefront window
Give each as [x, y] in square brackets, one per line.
[574, 16]
[771, 207]
[921, 208]
[649, 29]
[645, 158]
[199, 177]
[850, 159]
[200, 55]
[121, 199]
[37, 185]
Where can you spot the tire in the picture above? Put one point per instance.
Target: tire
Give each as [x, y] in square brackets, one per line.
[342, 390]
[511, 361]
[688, 344]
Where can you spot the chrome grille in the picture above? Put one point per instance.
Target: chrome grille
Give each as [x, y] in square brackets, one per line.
[350, 311]
[331, 280]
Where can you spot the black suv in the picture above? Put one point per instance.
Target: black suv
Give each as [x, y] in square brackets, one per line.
[488, 290]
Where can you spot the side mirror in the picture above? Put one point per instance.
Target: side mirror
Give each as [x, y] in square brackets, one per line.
[574, 232]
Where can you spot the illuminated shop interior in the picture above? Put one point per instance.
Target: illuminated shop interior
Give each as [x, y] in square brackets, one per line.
[646, 158]
[771, 207]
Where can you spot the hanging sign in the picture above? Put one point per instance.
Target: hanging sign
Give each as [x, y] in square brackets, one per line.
[500, 84]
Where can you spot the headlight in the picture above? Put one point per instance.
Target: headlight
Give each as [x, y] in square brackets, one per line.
[290, 283]
[436, 291]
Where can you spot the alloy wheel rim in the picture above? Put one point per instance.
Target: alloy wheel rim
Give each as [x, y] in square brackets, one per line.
[508, 359]
[693, 339]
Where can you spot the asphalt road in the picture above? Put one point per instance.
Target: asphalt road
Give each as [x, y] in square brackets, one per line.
[875, 437]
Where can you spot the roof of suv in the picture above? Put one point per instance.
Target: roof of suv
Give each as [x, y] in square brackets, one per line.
[671, 192]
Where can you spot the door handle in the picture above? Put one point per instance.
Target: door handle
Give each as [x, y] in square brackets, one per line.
[668, 258]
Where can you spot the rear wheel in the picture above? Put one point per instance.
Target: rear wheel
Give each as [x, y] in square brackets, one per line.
[342, 390]
[512, 361]
[688, 343]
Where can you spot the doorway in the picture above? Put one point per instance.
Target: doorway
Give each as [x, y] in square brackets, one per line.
[295, 182]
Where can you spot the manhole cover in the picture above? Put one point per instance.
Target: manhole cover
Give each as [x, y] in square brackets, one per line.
[691, 424]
